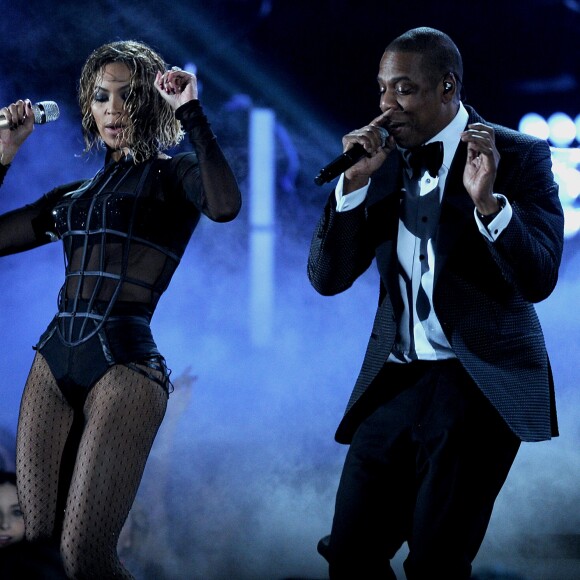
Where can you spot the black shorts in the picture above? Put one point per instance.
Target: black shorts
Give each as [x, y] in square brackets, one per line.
[123, 340]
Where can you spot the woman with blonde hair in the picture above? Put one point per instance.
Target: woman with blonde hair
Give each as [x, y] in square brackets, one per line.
[98, 387]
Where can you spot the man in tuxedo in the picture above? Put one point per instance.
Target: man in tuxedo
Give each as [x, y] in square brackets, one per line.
[464, 222]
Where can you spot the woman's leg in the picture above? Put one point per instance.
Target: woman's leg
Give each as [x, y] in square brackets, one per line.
[43, 426]
[123, 412]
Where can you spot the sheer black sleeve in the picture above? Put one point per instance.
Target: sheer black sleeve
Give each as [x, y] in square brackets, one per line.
[31, 225]
[210, 184]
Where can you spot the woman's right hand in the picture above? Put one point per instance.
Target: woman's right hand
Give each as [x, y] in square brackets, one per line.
[21, 123]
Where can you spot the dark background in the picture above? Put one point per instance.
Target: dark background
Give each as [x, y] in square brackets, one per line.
[518, 55]
[241, 481]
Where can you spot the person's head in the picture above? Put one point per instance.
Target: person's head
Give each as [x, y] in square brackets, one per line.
[420, 76]
[119, 104]
[11, 519]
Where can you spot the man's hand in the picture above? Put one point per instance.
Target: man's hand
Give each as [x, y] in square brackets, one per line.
[372, 139]
[481, 166]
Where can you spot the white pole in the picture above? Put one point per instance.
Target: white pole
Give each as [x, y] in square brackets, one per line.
[262, 187]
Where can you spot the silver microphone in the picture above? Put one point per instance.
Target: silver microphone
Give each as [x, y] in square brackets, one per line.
[44, 112]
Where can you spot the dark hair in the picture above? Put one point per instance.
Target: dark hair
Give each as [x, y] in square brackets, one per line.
[8, 477]
[153, 126]
[440, 54]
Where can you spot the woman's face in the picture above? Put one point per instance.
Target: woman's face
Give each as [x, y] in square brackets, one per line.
[11, 519]
[108, 106]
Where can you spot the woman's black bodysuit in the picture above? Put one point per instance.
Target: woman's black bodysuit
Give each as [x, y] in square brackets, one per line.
[122, 242]
[124, 233]
[98, 379]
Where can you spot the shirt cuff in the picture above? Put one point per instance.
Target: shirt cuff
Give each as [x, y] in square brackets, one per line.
[499, 223]
[353, 199]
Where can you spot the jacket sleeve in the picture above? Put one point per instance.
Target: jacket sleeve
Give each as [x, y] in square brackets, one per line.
[529, 250]
[340, 250]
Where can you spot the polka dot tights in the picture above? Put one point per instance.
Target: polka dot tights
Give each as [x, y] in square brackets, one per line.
[115, 430]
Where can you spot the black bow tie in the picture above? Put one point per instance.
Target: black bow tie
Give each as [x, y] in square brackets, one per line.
[428, 156]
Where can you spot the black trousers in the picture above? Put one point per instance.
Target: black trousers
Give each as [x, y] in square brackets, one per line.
[425, 467]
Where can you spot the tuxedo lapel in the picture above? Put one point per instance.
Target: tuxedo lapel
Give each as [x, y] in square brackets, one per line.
[456, 210]
[383, 209]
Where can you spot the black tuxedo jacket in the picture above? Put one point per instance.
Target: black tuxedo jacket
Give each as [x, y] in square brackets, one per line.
[483, 292]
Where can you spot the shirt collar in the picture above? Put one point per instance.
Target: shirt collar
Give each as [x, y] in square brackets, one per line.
[450, 135]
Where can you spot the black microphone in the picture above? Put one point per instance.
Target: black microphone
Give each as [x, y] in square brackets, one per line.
[44, 112]
[346, 160]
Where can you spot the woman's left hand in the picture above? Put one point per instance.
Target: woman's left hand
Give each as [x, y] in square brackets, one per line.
[176, 86]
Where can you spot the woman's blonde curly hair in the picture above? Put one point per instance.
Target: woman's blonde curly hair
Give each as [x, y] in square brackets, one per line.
[153, 126]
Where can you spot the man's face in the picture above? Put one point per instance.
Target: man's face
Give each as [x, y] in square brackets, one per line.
[414, 103]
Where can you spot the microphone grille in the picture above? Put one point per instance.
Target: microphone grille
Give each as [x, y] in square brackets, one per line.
[45, 111]
[384, 135]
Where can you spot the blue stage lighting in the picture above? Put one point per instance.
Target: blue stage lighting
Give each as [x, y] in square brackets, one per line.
[562, 129]
[534, 124]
